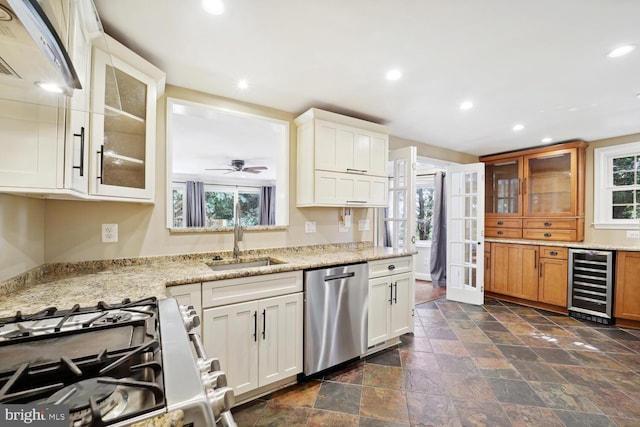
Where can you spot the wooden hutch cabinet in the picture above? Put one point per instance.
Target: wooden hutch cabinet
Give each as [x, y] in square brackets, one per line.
[536, 194]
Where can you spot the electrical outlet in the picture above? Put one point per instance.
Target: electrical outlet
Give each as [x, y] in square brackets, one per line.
[109, 233]
[363, 225]
[310, 227]
[342, 228]
[633, 234]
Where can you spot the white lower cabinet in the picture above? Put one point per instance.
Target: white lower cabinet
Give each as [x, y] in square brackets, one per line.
[188, 295]
[257, 342]
[391, 299]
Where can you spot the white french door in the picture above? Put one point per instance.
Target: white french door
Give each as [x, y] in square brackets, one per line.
[465, 233]
[397, 227]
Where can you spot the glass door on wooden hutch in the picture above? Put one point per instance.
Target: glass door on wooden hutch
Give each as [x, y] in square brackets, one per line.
[502, 187]
[550, 183]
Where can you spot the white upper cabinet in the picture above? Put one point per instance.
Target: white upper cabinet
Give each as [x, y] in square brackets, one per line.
[36, 136]
[125, 89]
[342, 161]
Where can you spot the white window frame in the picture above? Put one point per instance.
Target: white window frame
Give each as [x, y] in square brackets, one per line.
[603, 186]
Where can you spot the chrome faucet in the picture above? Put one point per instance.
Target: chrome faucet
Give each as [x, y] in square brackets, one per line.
[237, 233]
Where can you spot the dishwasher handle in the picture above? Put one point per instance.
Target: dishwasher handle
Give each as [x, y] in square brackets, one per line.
[339, 276]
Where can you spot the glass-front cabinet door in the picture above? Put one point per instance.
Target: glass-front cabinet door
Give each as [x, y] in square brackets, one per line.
[549, 187]
[502, 187]
[123, 129]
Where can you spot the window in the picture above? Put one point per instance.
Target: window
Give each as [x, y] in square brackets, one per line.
[424, 209]
[219, 205]
[617, 186]
[178, 205]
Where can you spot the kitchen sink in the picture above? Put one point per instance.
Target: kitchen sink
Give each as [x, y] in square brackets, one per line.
[243, 263]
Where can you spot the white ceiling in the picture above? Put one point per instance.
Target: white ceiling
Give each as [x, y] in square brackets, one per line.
[541, 63]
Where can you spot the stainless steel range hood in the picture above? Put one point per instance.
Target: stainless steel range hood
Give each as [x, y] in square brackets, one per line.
[33, 36]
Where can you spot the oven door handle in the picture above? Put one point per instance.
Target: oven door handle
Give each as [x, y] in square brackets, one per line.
[198, 345]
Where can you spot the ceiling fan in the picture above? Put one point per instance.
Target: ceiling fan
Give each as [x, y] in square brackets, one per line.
[238, 166]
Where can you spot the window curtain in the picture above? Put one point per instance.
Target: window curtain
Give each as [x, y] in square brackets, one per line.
[268, 205]
[439, 234]
[195, 212]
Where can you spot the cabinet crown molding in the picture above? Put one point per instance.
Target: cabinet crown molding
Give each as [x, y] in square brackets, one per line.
[534, 150]
[315, 113]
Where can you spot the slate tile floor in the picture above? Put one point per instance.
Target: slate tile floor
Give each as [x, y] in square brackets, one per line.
[496, 365]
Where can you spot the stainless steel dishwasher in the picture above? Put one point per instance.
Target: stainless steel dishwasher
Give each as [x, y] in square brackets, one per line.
[335, 315]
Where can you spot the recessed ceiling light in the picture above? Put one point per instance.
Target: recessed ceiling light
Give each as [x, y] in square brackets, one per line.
[518, 127]
[214, 7]
[621, 51]
[394, 74]
[243, 84]
[466, 105]
[50, 87]
[546, 140]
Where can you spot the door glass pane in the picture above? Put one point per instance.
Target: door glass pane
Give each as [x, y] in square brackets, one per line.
[502, 187]
[549, 184]
[401, 173]
[402, 204]
[471, 183]
[470, 206]
[470, 276]
[470, 229]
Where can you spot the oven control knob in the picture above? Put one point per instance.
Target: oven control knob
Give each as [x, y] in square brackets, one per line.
[209, 365]
[189, 317]
[221, 400]
[226, 419]
[215, 379]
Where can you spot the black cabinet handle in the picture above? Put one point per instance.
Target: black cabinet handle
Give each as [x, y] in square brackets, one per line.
[356, 170]
[81, 136]
[553, 253]
[264, 323]
[547, 224]
[391, 267]
[500, 233]
[101, 153]
[535, 259]
[540, 269]
[255, 326]
[500, 222]
[547, 234]
[395, 297]
[357, 201]
[390, 293]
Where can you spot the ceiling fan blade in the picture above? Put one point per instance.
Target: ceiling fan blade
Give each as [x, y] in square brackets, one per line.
[255, 168]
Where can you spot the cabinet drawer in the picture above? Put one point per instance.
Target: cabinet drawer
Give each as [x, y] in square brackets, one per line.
[503, 222]
[385, 267]
[511, 233]
[558, 235]
[230, 291]
[551, 252]
[552, 223]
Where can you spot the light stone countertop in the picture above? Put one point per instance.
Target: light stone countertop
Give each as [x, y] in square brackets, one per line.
[87, 283]
[577, 245]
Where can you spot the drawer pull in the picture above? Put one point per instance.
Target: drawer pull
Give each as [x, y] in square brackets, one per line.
[500, 223]
[547, 234]
[553, 253]
[547, 224]
[391, 267]
[500, 233]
